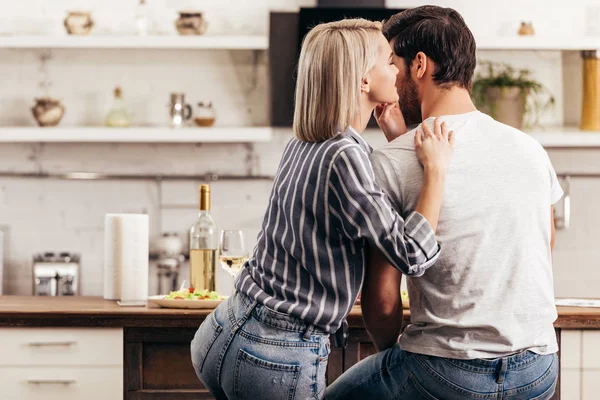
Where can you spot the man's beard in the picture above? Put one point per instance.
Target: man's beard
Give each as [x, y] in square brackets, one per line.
[409, 103]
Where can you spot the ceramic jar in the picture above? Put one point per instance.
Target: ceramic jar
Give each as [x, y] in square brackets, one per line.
[79, 23]
[190, 23]
[48, 111]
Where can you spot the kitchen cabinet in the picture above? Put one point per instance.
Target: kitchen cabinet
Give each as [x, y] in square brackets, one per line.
[61, 383]
[61, 363]
[144, 352]
[158, 367]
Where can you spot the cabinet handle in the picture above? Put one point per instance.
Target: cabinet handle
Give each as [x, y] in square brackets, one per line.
[51, 381]
[57, 343]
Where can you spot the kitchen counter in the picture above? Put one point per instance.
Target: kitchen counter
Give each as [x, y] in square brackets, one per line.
[155, 340]
[95, 311]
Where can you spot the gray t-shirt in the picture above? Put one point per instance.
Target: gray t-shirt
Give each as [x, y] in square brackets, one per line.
[491, 292]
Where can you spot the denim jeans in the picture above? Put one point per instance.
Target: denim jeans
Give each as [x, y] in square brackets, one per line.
[244, 350]
[397, 374]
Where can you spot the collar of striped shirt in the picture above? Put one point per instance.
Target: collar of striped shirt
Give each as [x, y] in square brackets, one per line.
[352, 133]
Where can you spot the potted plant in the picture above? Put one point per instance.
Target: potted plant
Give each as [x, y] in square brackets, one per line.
[510, 95]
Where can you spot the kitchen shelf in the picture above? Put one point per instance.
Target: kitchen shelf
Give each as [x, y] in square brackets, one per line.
[548, 137]
[206, 42]
[566, 137]
[538, 43]
[134, 135]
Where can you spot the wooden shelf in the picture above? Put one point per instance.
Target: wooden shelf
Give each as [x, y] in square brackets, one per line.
[202, 42]
[134, 135]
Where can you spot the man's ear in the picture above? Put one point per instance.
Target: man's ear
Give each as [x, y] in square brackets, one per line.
[364, 84]
[421, 64]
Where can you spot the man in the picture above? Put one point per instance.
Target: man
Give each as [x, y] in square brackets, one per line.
[482, 317]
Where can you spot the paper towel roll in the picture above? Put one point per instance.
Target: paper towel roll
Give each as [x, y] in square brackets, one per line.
[126, 257]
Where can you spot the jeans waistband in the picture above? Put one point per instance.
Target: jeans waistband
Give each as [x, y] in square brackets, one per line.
[509, 362]
[278, 319]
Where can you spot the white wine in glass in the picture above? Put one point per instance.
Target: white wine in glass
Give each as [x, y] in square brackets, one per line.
[232, 254]
[233, 264]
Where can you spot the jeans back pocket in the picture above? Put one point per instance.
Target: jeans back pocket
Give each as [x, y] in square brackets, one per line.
[203, 341]
[260, 379]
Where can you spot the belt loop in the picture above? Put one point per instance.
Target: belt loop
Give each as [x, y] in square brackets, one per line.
[242, 321]
[249, 310]
[502, 371]
[309, 331]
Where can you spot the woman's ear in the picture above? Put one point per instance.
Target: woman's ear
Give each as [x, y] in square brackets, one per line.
[421, 64]
[364, 84]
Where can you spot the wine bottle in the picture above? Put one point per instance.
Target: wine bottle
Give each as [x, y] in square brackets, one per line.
[203, 245]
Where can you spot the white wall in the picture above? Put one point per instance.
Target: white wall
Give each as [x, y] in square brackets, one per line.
[49, 215]
[53, 215]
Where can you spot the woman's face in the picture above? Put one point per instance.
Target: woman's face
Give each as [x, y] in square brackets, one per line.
[382, 78]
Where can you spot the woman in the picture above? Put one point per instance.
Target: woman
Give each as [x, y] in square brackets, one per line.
[271, 339]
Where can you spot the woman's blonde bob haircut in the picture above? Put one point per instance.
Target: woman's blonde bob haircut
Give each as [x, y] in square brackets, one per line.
[334, 58]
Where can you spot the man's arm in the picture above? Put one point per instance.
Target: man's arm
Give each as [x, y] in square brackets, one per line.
[381, 302]
[552, 227]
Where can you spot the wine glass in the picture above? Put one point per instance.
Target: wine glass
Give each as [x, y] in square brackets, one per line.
[232, 254]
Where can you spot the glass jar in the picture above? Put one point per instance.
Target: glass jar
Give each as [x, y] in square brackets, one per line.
[205, 114]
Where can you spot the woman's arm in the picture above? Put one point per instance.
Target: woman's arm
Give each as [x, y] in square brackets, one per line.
[363, 211]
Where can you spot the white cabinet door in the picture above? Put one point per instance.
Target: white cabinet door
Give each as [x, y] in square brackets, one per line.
[61, 346]
[61, 383]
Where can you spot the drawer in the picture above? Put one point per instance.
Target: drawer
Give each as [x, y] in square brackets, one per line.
[61, 383]
[61, 346]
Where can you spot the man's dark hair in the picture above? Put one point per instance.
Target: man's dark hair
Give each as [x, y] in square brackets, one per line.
[440, 33]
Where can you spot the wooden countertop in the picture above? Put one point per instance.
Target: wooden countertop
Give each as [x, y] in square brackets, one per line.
[95, 311]
[90, 311]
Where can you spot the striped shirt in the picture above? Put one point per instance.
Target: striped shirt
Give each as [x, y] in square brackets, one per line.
[325, 207]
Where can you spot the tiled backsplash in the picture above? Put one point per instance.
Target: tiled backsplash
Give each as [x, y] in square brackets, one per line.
[58, 215]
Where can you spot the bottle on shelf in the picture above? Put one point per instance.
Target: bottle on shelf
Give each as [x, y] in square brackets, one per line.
[118, 116]
[203, 245]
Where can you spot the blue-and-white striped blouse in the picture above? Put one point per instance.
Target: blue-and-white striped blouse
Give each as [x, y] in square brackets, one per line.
[324, 208]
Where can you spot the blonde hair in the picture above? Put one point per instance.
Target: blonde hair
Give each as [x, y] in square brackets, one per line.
[334, 58]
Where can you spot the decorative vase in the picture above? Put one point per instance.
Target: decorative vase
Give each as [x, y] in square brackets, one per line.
[48, 111]
[190, 23]
[79, 23]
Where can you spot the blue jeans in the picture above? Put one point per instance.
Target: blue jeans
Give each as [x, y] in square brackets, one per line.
[398, 374]
[244, 350]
